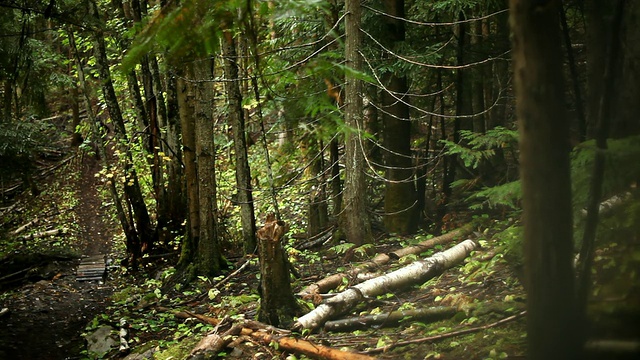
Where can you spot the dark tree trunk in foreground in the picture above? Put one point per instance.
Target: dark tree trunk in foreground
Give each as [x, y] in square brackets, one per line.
[544, 155]
[278, 306]
[236, 120]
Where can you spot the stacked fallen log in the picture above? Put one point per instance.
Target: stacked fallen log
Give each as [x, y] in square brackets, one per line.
[416, 273]
[331, 282]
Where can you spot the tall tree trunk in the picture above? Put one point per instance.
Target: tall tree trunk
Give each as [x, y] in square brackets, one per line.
[175, 198]
[400, 201]
[132, 189]
[355, 218]
[185, 95]
[236, 119]
[546, 183]
[603, 122]
[209, 258]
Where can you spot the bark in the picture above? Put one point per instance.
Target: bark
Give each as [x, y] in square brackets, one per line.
[575, 80]
[391, 319]
[208, 257]
[307, 348]
[355, 224]
[416, 273]
[317, 214]
[597, 177]
[333, 281]
[185, 96]
[175, 198]
[546, 183]
[277, 303]
[400, 200]
[236, 119]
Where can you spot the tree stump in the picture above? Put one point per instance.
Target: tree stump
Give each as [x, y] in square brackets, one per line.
[278, 306]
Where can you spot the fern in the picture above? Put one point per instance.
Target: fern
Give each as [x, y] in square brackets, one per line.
[476, 147]
[508, 195]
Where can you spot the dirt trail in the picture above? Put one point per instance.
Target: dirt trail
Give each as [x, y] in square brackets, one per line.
[47, 318]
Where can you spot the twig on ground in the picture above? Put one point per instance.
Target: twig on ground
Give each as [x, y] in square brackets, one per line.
[445, 335]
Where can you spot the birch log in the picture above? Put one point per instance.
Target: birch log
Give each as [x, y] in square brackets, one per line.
[415, 273]
[335, 280]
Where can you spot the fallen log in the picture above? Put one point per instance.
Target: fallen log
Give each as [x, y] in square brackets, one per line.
[24, 227]
[307, 348]
[392, 318]
[44, 234]
[212, 344]
[335, 280]
[416, 273]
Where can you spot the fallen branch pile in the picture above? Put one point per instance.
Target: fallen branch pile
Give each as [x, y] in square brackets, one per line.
[416, 273]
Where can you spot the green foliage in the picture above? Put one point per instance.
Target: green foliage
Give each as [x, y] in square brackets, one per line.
[476, 147]
[506, 195]
[192, 28]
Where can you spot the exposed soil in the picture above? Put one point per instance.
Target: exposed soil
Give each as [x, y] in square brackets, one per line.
[46, 318]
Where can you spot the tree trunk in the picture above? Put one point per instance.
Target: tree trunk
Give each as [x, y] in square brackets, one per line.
[185, 96]
[236, 119]
[176, 200]
[400, 201]
[209, 256]
[278, 306]
[355, 218]
[317, 215]
[546, 183]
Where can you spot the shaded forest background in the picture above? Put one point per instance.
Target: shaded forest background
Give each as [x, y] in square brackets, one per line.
[352, 122]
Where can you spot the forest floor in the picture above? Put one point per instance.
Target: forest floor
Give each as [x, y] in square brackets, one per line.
[48, 309]
[49, 312]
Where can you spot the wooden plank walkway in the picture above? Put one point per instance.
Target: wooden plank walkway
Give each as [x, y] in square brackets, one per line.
[92, 268]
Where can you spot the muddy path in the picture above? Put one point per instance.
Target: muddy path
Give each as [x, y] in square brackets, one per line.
[46, 318]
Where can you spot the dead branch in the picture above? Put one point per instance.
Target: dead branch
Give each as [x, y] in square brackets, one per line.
[392, 318]
[445, 335]
[415, 273]
[307, 348]
[44, 234]
[267, 335]
[24, 227]
[335, 280]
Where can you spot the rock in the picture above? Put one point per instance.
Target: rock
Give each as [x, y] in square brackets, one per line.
[146, 355]
[101, 341]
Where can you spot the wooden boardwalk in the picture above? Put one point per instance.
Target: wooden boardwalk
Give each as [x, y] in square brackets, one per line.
[92, 268]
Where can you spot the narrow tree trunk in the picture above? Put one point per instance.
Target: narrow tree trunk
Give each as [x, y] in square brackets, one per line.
[355, 223]
[236, 119]
[546, 183]
[175, 194]
[185, 102]
[208, 259]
